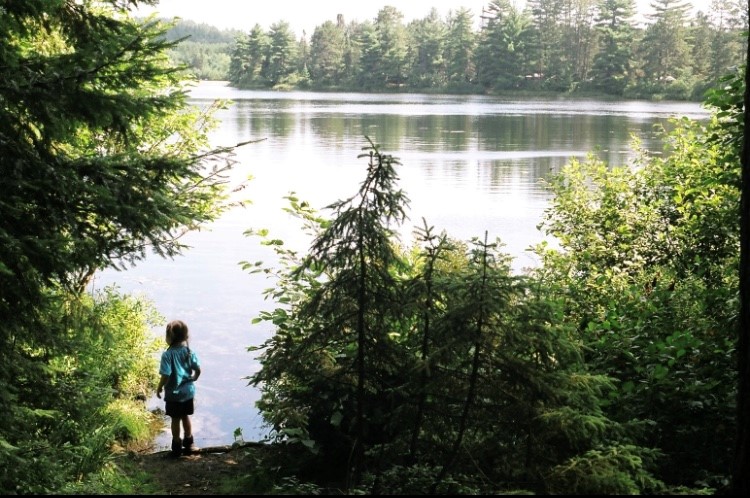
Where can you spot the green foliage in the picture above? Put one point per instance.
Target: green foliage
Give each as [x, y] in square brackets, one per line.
[648, 268]
[129, 421]
[76, 394]
[292, 486]
[204, 49]
[452, 363]
[200, 33]
[281, 60]
[460, 46]
[428, 66]
[117, 477]
[666, 51]
[599, 372]
[327, 51]
[268, 470]
[101, 163]
[613, 64]
[206, 61]
[342, 325]
[98, 164]
[417, 479]
[503, 55]
[606, 471]
[249, 59]
[550, 45]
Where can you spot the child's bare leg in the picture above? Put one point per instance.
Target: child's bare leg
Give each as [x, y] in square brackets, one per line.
[187, 443]
[187, 425]
[176, 442]
[175, 428]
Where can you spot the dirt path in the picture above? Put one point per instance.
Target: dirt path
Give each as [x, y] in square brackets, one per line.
[204, 473]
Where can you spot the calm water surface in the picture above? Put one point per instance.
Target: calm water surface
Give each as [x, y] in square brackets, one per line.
[468, 164]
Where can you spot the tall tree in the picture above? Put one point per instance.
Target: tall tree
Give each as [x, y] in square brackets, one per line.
[741, 473]
[433, 249]
[392, 44]
[352, 50]
[729, 19]
[701, 35]
[370, 72]
[88, 181]
[485, 294]
[505, 43]
[283, 54]
[337, 333]
[250, 58]
[665, 48]
[612, 63]
[101, 162]
[327, 50]
[460, 48]
[427, 38]
[581, 37]
[552, 57]
[303, 60]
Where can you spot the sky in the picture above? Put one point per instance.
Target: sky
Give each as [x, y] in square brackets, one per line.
[307, 14]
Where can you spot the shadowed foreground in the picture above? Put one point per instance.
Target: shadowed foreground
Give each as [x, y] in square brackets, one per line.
[215, 470]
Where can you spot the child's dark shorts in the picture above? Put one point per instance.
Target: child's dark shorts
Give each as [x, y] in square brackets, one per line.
[179, 408]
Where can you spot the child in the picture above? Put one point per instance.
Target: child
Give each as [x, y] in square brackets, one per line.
[179, 370]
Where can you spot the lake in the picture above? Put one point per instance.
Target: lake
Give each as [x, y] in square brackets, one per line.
[469, 164]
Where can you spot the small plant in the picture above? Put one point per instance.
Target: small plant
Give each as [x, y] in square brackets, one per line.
[292, 486]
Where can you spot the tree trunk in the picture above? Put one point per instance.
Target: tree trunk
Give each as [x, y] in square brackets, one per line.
[741, 474]
[473, 380]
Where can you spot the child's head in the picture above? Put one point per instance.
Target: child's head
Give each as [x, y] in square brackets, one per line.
[177, 332]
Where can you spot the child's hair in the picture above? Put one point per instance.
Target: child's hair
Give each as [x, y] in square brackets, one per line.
[177, 331]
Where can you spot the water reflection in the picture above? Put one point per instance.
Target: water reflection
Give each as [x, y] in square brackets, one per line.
[607, 134]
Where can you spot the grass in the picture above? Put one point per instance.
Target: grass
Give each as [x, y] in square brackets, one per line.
[121, 476]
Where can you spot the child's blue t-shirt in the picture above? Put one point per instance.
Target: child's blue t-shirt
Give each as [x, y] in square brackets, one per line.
[182, 362]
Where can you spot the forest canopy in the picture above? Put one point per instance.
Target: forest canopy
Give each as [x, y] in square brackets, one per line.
[558, 46]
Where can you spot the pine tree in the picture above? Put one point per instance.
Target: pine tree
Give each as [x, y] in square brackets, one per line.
[101, 163]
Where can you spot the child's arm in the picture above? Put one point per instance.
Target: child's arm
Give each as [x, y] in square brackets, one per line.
[162, 382]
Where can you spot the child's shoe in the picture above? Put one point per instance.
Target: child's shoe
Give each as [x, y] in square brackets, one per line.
[176, 448]
[188, 446]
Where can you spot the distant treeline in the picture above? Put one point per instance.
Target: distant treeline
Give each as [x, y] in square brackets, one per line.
[549, 46]
[204, 48]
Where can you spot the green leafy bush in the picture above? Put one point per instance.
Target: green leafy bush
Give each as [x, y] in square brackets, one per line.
[79, 393]
[648, 269]
[385, 358]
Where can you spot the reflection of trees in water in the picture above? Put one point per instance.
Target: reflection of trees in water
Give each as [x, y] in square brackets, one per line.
[609, 136]
[261, 118]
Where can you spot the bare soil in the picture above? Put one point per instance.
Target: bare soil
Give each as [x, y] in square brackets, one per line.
[206, 472]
